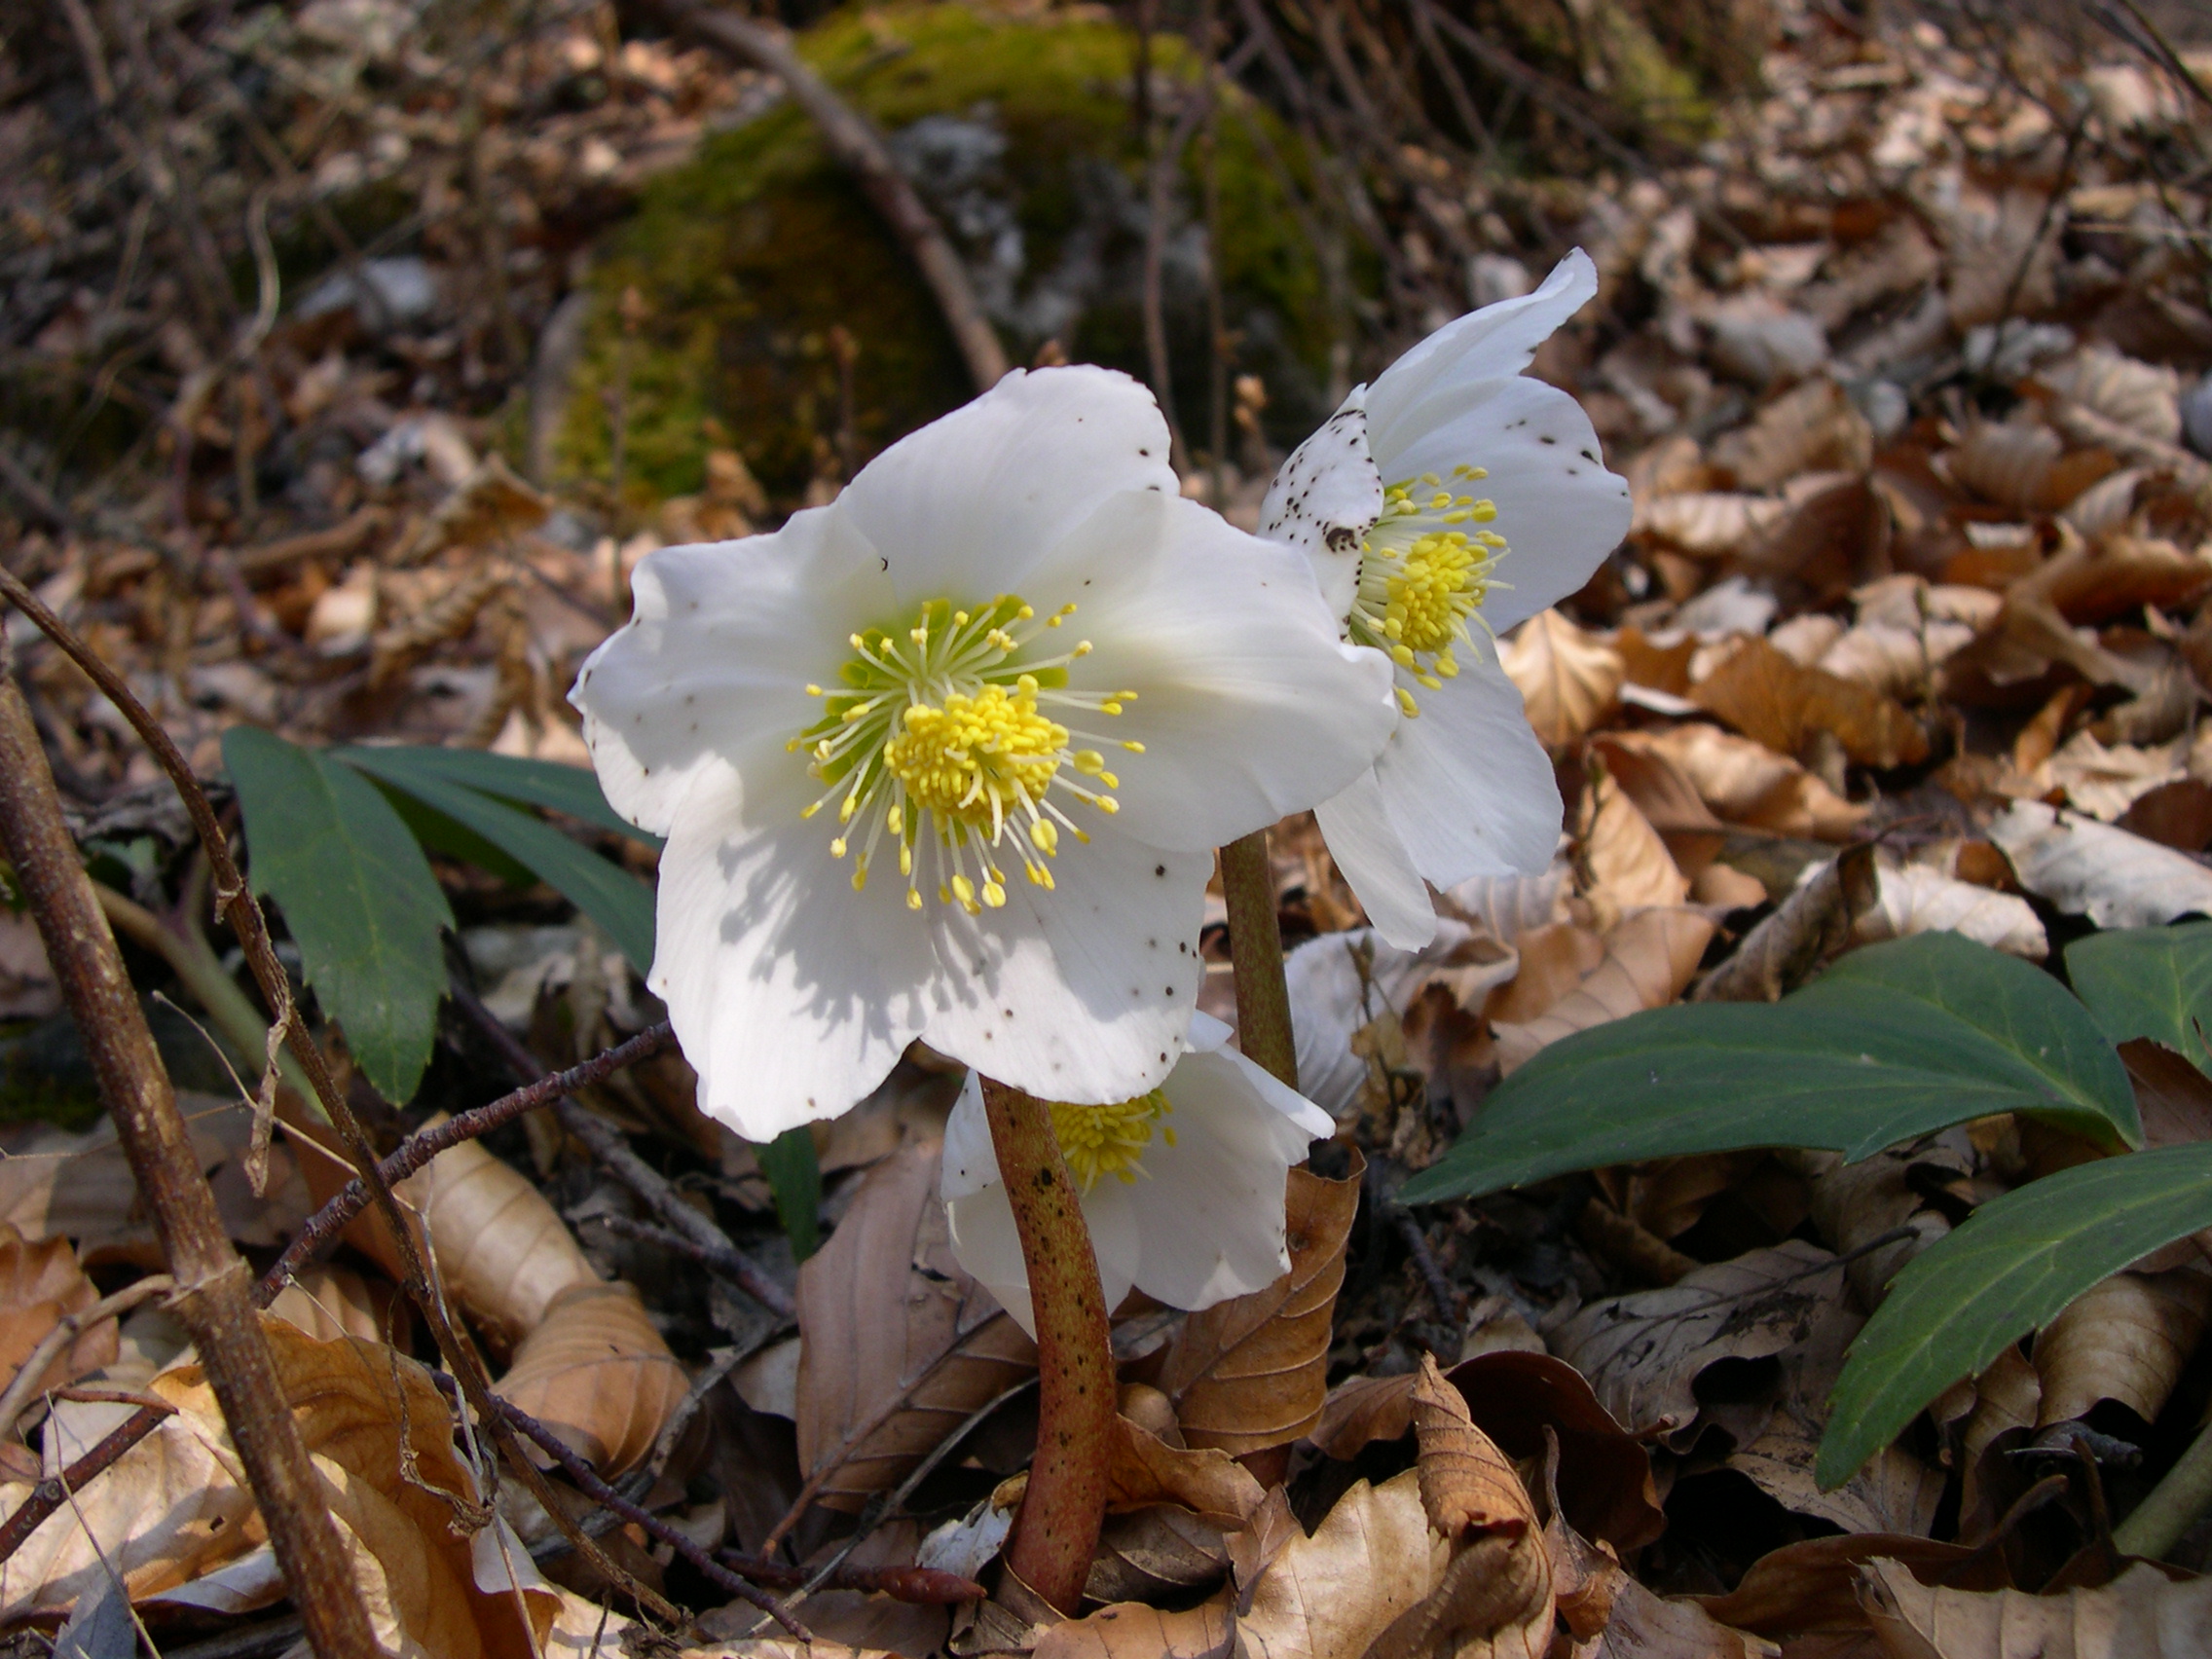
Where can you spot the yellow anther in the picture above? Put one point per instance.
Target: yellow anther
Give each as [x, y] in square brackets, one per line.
[1110, 707]
[1406, 703]
[860, 875]
[905, 860]
[815, 691]
[914, 899]
[895, 820]
[847, 808]
[1107, 1140]
[963, 890]
[1132, 745]
[807, 812]
[837, 848]
[1090, 761]
[993, 895]
[1045, 836]
[1109, 805]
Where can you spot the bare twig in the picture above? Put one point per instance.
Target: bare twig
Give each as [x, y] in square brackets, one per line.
[65, 1330]
[853, 140]
[215, 1296]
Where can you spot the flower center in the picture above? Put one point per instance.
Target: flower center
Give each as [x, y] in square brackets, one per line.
[1109, 1140]
[1421, 575]
[942, 721]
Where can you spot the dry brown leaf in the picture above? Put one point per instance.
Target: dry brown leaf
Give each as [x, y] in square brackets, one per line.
[39, 1285]
[2007, 1398]
[1466, 1484]
[1810, 1589]
[2008, 463]
[1252, 1372]
[1630, 866]
[2142, 1614]
[2143, 397]
[1747, 782]
[898, 1345]
[597, 1373]
[1855, 1205]
[1553, 961]
[1707, 524]
[1808, 927]
[1668, 800]
[1642, 1625]
[1212, 1485]
[1649, 957]
[1567, 677]
[1159, 1554]
[2105, 782]
[1134, 1630]
[1812, 428]
[1330, 1596]
[1895, 662]
[2125, 1340]
[327, 1302]
[2085, 867]
[1644, 1353]
[1834, 541]
[1914, 898]
[1661, 668]
[504, 1253]
[1769, 698]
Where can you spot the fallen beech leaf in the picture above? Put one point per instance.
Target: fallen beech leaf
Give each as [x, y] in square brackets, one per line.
[1554, 961]
[1132, 1629]
[1707, 523]
[1252, 1372]
[1662, 668]
[1895, 662]
[327, 1302]
[1630, 866]
[1810, 1589]
[1813, 428]
[2142, 1614]
[2142, 396]
[1330, 1596]
[2082, 867]
[2125, 1340]
[897, 1346]
[2008, 463]
[1212, 1485]
[503, 1251]
[1158, 1554]
[1812, 924]
[1644, 1353]
[1768, 697]
[1649, 957]
[1642, 1625]
[1466, 1484]
[1834, 539]
[2105, 782]
[2007, 1398]
[1568, 679]
[1747, 782]
[39, 1285]
[1913, 899]
[597, 1372]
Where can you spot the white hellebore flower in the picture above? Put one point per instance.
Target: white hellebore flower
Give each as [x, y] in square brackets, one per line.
[949, 756]
[1182, 1187]
[1450, 500]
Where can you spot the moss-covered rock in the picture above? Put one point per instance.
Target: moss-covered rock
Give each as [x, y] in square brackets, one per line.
[1019, 131]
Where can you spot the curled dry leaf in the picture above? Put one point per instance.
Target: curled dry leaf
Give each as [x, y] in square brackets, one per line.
[1813, 428]
[2143, 396]
[1630, 866]
[1810, 1589]
[2142, 1614]
[1769, 698]
[1913, 899]
[2105, 782]
[1332, 1595]
[897, 1346]
[40, 1284]
[1747, 782]
[1649, 957]
[597, 1373]
[1164, 1553]
[1644, 1353]
[1812, 924]
[1568, 679]
[2126, 1339]
[1252, 1372]
[2008, 463]
[1212, 1485]
[327, 1302]
[1669, 802]
[1136, 1630]
[2085, 867]
[2007, 1398]
[1706, 524]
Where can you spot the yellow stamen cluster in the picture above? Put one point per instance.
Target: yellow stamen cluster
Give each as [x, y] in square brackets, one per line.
[1422, 574]
[1109, 1140]
[942, 720]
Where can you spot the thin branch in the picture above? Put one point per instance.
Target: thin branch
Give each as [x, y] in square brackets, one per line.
[65, 1331]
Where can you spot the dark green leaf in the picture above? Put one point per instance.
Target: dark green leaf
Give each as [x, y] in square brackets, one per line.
[2153, 982]
[358, 895]
[547, 784]
[440, 833]
[608, 893]
[795, 1179]
[2008, 1271]
[1896, 1040]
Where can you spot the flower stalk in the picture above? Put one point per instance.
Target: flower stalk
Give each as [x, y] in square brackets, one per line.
[1057, 1533]
[1255, 952]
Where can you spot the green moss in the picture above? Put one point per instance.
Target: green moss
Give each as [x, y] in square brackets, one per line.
[748, 257]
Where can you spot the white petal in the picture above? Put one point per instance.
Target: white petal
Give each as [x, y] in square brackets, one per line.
[1559, 511]
[1368, 849]
[1325, 499]
[792, 995]
[1209, 1209]
[1469, 788]
[987, 1243]
[962, 508]
[1207, 1033]
[970, 1163]
[1248, 706]
[1082, 993]
[717, 658]
[1494, 343]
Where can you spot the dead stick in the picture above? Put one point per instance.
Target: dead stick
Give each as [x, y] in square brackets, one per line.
[1056, 1531]
[236, 904]
[606, 1497]
[324, 1226]
[853, 140]
[215, 1296]
[1255, 949]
